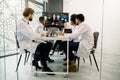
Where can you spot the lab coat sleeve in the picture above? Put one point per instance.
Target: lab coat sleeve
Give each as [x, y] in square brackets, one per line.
[81, 31]
[27, 31]
[37, 30]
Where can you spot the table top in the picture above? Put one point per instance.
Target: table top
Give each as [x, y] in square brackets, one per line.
[54, 38]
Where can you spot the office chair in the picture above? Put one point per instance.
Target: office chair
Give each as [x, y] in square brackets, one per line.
[95, 35]
[26, 52]
[92, 52]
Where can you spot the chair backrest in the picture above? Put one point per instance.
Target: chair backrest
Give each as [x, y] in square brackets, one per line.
[17, 43]
[95, 35]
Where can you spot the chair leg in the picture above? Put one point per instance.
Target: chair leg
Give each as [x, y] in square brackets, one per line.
[58, 48]
[25, 58]
[78, 58]
[35, 61]
[90, 60]
[28, 57]
[83, 60]
[95, 61]
[18, 62]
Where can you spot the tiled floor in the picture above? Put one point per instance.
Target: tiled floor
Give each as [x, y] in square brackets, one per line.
[110, 69]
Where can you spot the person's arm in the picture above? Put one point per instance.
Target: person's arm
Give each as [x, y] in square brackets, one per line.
[27, 31]
[81, 31]
[37, 30]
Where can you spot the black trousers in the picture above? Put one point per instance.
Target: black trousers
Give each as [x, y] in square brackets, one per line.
[73, 46]
[42, 53]
[58, 42]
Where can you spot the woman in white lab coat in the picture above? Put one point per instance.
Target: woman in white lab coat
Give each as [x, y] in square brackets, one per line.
[25, 35]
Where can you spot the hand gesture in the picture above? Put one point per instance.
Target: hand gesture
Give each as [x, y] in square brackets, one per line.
[43, 35]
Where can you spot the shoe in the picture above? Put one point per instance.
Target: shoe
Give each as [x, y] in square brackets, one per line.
[36, 65]
[47, 70]
[71, 69]
[51, 53]
[62, 52]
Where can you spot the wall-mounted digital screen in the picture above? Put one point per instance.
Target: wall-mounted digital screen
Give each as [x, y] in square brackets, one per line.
[55, 19]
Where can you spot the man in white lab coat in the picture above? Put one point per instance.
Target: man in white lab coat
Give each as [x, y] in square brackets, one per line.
[40, 29]
[85, 44]
[25, 35]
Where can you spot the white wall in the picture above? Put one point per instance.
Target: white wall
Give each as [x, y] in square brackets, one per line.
[92, 9]
[111, 27]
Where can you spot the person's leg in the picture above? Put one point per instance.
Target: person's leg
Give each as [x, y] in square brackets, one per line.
[72, 46]
[64, 47]
[61, 48]
[54, 46]
[44, 49]
[43, 54]
[36, 58]
[49, 46]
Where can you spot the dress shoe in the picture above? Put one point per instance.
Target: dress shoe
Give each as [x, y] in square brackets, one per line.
[36, 65]
[51, 52]
[47, 70]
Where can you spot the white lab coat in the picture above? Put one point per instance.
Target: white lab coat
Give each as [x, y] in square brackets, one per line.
[86, 41]
[39, 29]
[24, 36]
[74, 31]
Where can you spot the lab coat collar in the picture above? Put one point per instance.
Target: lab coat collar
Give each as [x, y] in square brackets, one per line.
[81, 23]
[25, 20]
[41, 24]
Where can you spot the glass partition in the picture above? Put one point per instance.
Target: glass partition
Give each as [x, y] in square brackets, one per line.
[10, 14]
[9, 10]
[111, 40]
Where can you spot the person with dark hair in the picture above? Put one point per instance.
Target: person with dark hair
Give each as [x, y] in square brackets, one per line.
[53, 20]
[66, 30]
[40, 29]
[24, 36]
[80, 17]
[72, 19]
[82, 41]
[74, 27]
[28, 12]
